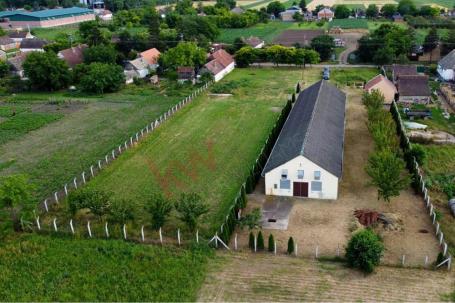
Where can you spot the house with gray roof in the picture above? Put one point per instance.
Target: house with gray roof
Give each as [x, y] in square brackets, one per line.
[413, 89]
[446, 67]
[307, 158]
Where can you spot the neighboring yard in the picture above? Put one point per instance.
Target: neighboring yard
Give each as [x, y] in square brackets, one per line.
[87, 128]
[349, 23]
[53, 32]
[53, 268]
[352, 75]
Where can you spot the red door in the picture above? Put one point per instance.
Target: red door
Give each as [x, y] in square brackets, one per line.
[300, 189]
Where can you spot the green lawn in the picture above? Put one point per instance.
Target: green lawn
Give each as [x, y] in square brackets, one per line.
[445, 3]
[265, 31]
[45, 268]
[88, 128]
[351, 75]
[52, 32]
[207, 148]
[421, 33]
[372, 25]
[349, 23]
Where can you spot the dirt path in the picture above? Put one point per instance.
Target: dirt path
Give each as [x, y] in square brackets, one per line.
[351, 44]
[265, 278]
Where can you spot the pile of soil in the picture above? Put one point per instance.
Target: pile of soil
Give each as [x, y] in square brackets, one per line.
[371, 218]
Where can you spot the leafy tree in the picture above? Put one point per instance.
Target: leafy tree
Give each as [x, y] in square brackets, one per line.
[342, 12]
[46, 71]
[245, 56]
[290, 246]
[448, 43]
[271, 243]
[406, 7]
[197, 28]
[297, 17]
[251, 241]
[431, 41]
[190, 207]
[121, 211]
[152, 19]
[95, 200]
[364, 250]
[372, 11]
[383, 56]
[260, 242]
[275, 8]
[16, 196]
[184, 54]
[418, 152]
[428, 11]
[251, 220]
[229, 4]
[388, 10]
[185, 7]
[93, 34]
[324, 45]
[102, 78]
[4, 68]
[100, 53]
[386, 169]
[302, 5]
[159, 209]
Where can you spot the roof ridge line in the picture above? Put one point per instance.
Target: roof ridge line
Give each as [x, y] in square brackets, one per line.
[312, 116]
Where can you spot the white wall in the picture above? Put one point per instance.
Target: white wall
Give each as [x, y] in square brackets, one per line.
[224, 72]
[446, 74]
[329, 181]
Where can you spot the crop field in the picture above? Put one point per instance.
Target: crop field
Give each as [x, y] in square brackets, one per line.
[45, 268]
[87, 128]
[206, 148]
[349, 23]
[266, 31]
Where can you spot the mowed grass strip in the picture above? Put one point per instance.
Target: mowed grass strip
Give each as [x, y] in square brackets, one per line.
[45, 268]
[207, 148]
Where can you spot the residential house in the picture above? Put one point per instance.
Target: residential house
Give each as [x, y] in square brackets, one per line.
[288, 14]
[137, 68]
[254, 42]
[237, 10]
[32, 45]
[384, 86]
[413, 89]
[397, 18]
[151, 57]
[308, 16]
[402, 70]
[307, 159]
[326, 14]
[18, 36]
[446, 67]
[6, 43]
[73, 56]
[20, 19]
[221, 63]
[186, 74]
[16, 64]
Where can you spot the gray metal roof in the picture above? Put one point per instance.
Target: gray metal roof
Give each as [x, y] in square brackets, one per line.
[448, 62]
[313, 129]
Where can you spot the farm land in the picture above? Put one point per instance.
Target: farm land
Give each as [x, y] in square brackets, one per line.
[58, 135]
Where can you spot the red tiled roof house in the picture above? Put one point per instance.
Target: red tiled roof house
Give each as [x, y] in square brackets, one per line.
[221, 63]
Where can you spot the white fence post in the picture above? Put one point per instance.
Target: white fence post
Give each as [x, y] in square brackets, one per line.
[125, 145]
[66, 189]
[161, 236]
[75, 183]
[56, 197]
[89, 229]
[142, 233]
[91, 171]
[445, 249]
[235, 242]
[120, 149]
[83, 177]
[426, 260]
[403, 260]
[71, 226]
[441, 237]
[106, 230]
[131, 140]
[99, 164]
[437, 228]
[137, 137]
[45, 206]
[317, 252]
[255, 243]
[124, 231]
[37, 223]
[113, 154]
[274, 247]
[197, 236]
[178, 236]
[296, 249]
[55, 224]
[105, 158]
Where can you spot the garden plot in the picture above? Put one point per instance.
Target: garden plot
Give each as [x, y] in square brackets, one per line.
[327, 225]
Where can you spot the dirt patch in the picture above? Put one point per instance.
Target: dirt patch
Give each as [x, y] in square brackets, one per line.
[64, 108]
[327, 225]
[276, 109]
[292, 36]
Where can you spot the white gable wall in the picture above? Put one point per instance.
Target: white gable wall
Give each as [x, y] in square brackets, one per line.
[329, 181]
[446, 74]
[224, 72]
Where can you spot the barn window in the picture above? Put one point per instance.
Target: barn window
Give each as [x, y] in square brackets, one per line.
[317, 175]
[300, 174]
[275, 186]
[316, 186]
[285, 184]
[284, 174]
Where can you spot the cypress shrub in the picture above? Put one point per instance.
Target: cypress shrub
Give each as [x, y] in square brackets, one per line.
[290, 245]
[260, 241]
[293, 98]
[251, 241]
[297, 89]
[271, 243]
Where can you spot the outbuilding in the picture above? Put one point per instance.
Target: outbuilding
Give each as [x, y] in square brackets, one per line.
[384, 86]
[446, 67]
[307, 159]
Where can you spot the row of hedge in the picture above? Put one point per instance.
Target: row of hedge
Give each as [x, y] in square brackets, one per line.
[228, 227]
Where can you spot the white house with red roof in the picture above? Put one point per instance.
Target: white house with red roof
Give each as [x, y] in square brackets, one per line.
[221, 63]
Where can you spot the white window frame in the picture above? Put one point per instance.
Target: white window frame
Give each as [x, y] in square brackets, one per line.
[317, 190]
[298, 174]
[317, 175]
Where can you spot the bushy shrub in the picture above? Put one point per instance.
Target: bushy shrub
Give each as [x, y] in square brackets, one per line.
[418, 152]
[251, 241]
[260, 241]
[271, 243]
[290, 246]
[364, 250]
[96, 201]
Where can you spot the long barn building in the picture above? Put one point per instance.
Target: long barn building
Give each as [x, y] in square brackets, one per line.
[307, 159]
